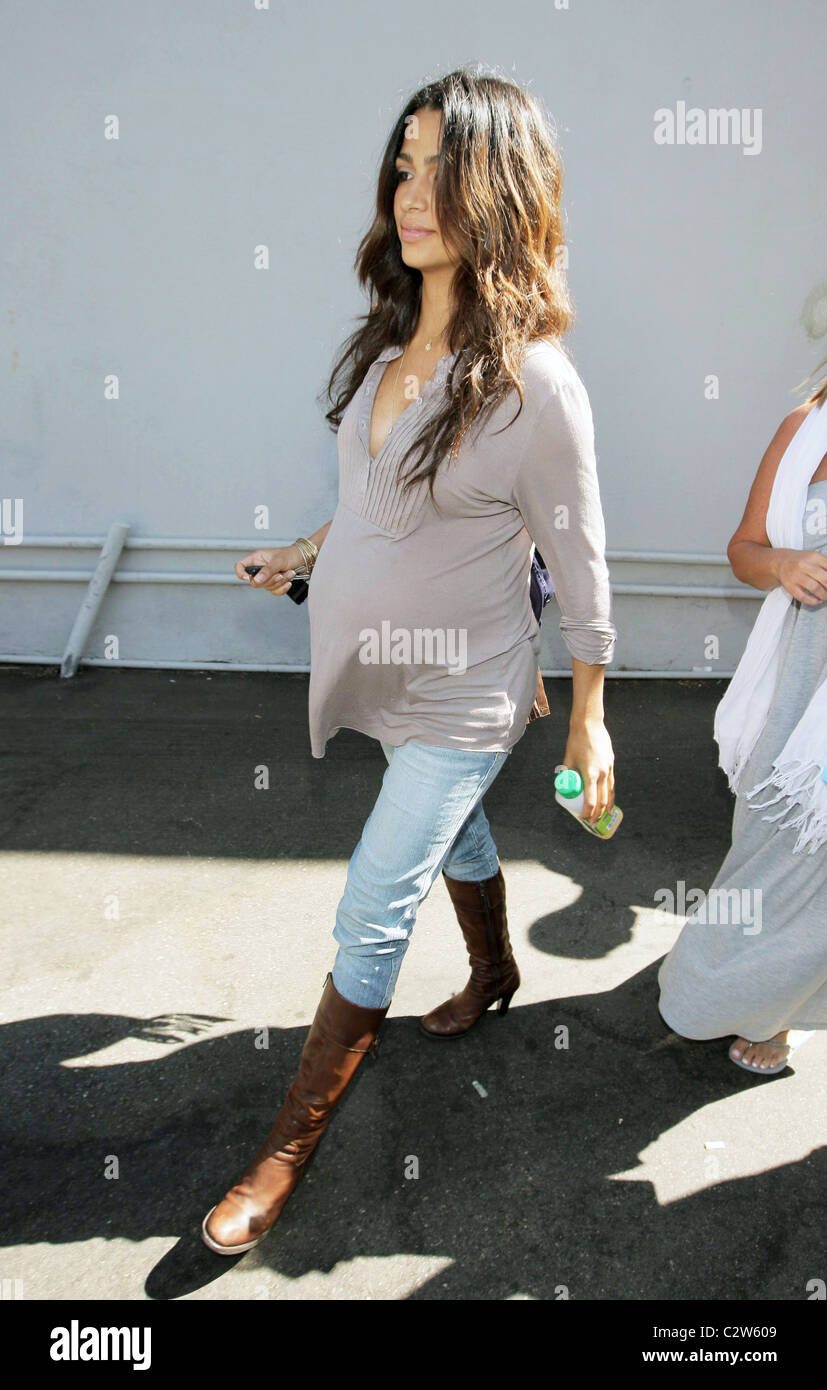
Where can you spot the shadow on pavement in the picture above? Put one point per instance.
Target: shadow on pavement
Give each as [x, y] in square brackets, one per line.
[515, 1189]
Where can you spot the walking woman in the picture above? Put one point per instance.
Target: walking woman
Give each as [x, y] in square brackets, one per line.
[763, 976]
[465, 436]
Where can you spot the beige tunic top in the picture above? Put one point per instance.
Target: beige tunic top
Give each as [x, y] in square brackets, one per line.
[421, 625]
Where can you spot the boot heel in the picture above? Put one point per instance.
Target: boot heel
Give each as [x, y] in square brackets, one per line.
[505, 1000]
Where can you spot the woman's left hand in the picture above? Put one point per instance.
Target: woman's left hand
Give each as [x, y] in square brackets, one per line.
[589, 750]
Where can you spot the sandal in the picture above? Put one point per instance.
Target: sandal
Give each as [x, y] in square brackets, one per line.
[791, 1049]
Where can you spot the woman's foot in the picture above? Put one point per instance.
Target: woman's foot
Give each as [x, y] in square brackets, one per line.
[761, 1056]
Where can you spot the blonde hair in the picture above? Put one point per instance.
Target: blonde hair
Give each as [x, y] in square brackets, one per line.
[819, 395]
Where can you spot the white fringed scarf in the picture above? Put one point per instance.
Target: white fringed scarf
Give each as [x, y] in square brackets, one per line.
[800, 770]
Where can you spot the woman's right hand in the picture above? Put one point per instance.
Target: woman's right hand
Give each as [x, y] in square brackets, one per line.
[277, 568]
[803, 573]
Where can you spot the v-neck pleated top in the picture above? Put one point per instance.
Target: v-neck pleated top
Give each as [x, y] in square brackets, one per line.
[421, 625]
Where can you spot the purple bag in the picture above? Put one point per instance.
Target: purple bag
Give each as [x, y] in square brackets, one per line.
[540, 585]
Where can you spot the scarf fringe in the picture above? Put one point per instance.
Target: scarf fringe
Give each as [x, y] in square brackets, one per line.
[798, 782]
[733, 759]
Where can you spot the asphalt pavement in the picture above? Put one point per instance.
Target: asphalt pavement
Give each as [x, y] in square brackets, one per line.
[167, 928]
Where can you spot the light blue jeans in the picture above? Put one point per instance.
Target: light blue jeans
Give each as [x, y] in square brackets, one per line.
[428, 817]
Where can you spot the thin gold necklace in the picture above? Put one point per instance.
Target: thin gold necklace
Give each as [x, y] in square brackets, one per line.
[428, 347]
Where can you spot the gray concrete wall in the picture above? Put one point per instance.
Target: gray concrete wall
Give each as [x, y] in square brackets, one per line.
[241, 127]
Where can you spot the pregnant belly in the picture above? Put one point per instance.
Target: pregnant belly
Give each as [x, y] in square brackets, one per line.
[384, 600]
[366, 581]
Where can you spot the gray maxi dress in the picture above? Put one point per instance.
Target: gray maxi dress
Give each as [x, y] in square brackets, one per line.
[722, 979]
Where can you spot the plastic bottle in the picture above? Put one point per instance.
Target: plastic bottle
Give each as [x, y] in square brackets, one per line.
[568, 790]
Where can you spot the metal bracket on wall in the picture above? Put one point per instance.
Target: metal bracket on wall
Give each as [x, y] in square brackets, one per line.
[89, 609]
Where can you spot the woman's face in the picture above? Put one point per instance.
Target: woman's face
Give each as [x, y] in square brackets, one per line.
[413, 204]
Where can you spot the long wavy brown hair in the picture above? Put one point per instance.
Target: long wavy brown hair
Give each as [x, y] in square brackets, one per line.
[497, 202]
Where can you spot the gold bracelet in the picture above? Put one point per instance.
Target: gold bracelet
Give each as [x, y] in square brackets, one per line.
[309, 552]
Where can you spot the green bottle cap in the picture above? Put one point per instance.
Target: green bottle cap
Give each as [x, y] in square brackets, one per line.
[568, 783]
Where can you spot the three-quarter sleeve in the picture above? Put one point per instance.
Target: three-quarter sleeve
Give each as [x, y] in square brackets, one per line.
[557, 494]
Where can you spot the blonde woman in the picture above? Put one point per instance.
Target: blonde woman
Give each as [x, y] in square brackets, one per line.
[464, 436]
[762, 973]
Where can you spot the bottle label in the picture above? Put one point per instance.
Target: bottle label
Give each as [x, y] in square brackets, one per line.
[606, 824]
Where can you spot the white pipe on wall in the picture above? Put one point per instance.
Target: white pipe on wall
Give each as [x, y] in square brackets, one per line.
[702, 673]
[93, 598]
[206, 577]
[245, 545]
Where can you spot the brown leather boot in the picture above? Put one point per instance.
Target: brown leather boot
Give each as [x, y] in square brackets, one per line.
[480, 908]
[340, 1036]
